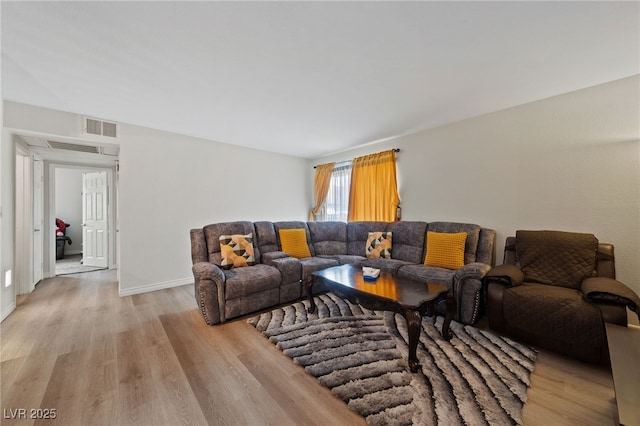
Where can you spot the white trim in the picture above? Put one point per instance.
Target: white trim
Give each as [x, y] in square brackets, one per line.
[154, 287]
[10, 309]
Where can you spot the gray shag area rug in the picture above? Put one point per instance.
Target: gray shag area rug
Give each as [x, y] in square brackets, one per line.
[477, 378]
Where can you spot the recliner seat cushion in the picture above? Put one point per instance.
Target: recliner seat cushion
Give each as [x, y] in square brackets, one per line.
[428, 274]
[558, 317]
[386, 265]
[252, 279]
[313, 264]
[555, 257]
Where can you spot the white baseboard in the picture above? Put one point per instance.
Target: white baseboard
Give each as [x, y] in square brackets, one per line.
[154, 287]
[10, 309]
[72, 252]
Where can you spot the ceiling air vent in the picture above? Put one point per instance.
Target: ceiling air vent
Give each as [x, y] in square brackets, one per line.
[93, 126]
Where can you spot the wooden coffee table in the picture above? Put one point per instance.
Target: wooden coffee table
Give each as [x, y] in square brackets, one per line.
[410, 298]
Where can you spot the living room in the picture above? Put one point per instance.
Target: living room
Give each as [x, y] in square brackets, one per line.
[567, 158]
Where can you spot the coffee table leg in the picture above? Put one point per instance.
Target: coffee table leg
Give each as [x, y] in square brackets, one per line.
[414, 320]
[308, 285]
[451, 304]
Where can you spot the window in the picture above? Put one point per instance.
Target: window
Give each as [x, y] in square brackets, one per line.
[336, 206]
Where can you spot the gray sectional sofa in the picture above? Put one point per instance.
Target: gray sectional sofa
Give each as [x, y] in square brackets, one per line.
[277, 277]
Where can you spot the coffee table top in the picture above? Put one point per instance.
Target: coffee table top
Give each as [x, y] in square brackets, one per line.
[396, 289]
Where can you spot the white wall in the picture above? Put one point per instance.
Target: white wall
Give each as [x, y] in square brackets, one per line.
[7, 179]
[171, 183]
[570, 162]
[68, 200]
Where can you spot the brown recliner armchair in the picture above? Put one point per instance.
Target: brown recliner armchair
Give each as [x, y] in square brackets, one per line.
[556, 290]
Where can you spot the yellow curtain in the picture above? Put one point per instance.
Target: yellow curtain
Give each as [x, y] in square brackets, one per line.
[321, 188]
[374, 188]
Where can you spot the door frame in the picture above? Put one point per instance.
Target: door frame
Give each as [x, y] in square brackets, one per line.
[23, 241]
[50, 212]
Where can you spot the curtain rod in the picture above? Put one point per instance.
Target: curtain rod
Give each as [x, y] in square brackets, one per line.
[394, 150]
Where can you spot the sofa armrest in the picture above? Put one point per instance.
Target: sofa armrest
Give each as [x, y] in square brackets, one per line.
[208, 271]
[209, 291]
[467, 289]
[507, 275]
[472, 270]
[608, 290]
[268, 258]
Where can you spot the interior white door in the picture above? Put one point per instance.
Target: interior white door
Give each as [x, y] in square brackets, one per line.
[38, 222]
[95, 244]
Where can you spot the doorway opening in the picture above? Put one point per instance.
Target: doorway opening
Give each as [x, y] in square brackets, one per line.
[81, 213]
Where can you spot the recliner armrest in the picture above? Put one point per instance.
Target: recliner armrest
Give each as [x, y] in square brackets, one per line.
[507, 275]
[210, 291]
[602, 289]
[472, 270]
[208, 271]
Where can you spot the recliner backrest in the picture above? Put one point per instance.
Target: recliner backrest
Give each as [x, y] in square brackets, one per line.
[294, 224]
[213, 232]
[473, 236]
[408, 240]
[328, 238]
[605, 257]
[267, 239]
[358, 233]
[556, 258]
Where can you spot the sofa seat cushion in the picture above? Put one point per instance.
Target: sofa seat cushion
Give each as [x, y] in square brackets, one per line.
[242, 282]
[386, 265]
[559, 316]
[312, 264]
[428, 274]
[346, 259]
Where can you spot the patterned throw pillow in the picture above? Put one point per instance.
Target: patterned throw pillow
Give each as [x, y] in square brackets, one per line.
[445, 250]
[236, 251]
[378, 245]
[294, 242]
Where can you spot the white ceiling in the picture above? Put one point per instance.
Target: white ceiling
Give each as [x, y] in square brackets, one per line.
[308, 78]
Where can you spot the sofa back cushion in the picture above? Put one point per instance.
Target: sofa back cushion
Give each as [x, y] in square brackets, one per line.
[358, 233]
[236, 251]
[267, 241]
[408, 240]
[294, 224]
[294, 242]
[486, 251]
[328, 238]
[445, 249]
[379, 245]
[473, 235]
[557, 258]
[213, 232]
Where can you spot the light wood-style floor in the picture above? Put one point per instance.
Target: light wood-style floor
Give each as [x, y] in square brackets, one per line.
[75, 347]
